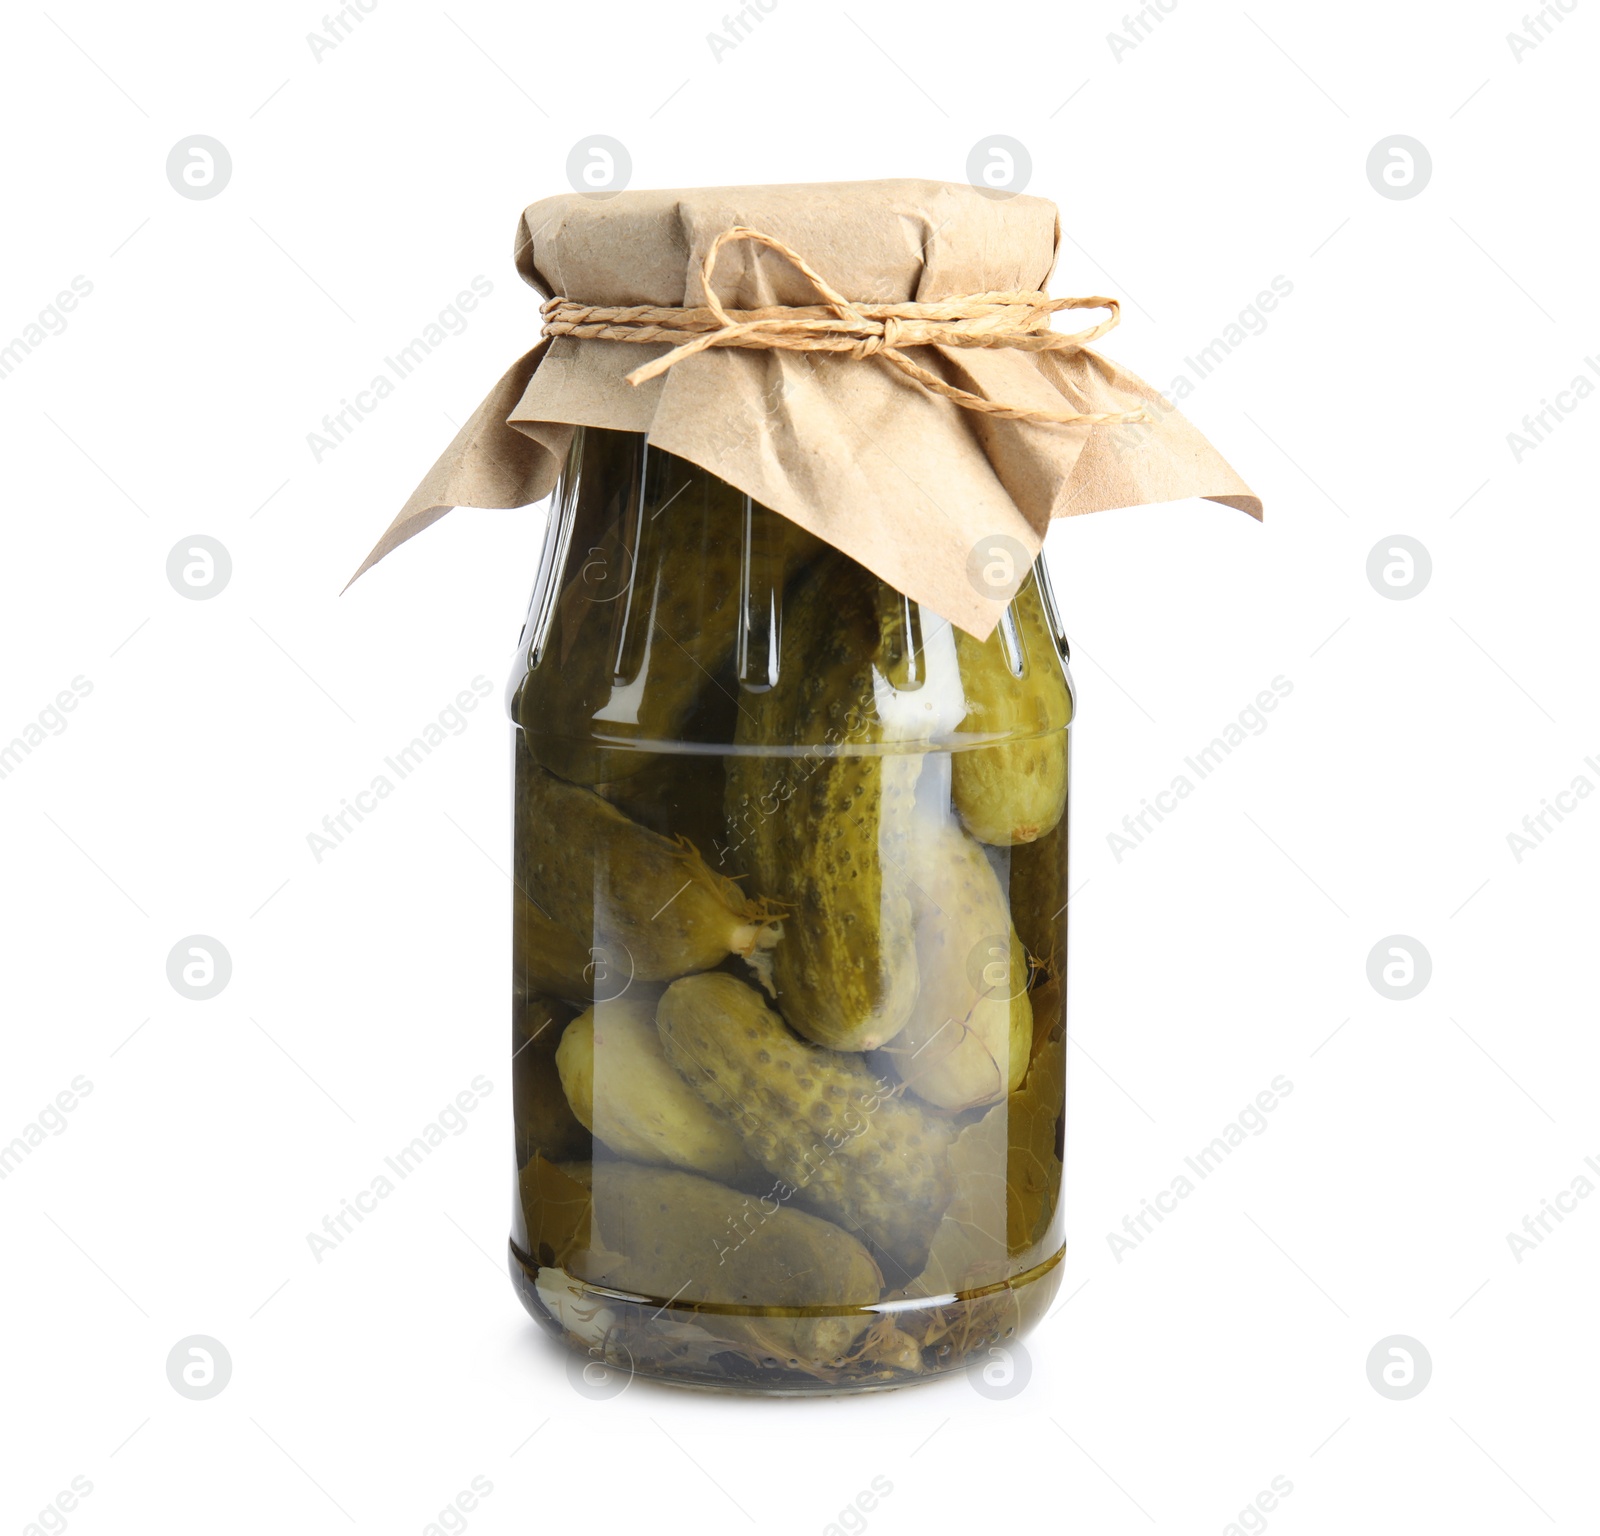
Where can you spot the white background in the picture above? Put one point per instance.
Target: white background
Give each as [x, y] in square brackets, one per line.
[1231, 946]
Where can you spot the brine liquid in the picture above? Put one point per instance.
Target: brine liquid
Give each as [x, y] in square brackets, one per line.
[735, 1231]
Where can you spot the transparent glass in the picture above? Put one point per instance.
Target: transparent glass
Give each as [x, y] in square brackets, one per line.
[790, 941]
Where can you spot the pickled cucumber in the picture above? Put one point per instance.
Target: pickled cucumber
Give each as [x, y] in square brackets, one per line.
[548, 957]
[544, 1119]
[1038, 887]
[817, 1119]
[824, 826]
[620, 1085]
[1008, 1176]
[968, 1040]
[1014, 790]
[648, 616]
[599, 881]
[662, 1232]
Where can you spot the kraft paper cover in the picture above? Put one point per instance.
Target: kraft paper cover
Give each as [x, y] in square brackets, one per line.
[907, 483]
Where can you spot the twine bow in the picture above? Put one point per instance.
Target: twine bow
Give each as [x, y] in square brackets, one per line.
[882, 331]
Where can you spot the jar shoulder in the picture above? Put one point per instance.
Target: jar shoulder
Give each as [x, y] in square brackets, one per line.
[673, 613]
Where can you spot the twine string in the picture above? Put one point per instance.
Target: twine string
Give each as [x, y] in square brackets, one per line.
[860, 331]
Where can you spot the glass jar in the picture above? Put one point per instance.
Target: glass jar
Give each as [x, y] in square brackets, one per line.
[790, 946]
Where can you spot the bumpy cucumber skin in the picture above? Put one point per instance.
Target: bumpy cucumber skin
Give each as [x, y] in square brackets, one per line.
[1014, 791]
[621, 1086]
[825, 830]
[663, 1232]
[817, 1119]
[664, 912]
[967, 1043]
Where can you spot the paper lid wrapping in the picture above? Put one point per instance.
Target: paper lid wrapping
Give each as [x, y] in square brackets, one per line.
[905, 482]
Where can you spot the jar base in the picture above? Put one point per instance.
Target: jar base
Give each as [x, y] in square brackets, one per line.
[783, 1351]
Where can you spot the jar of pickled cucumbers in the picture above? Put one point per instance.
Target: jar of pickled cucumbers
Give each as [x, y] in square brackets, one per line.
[790, 947]
[790, 723]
